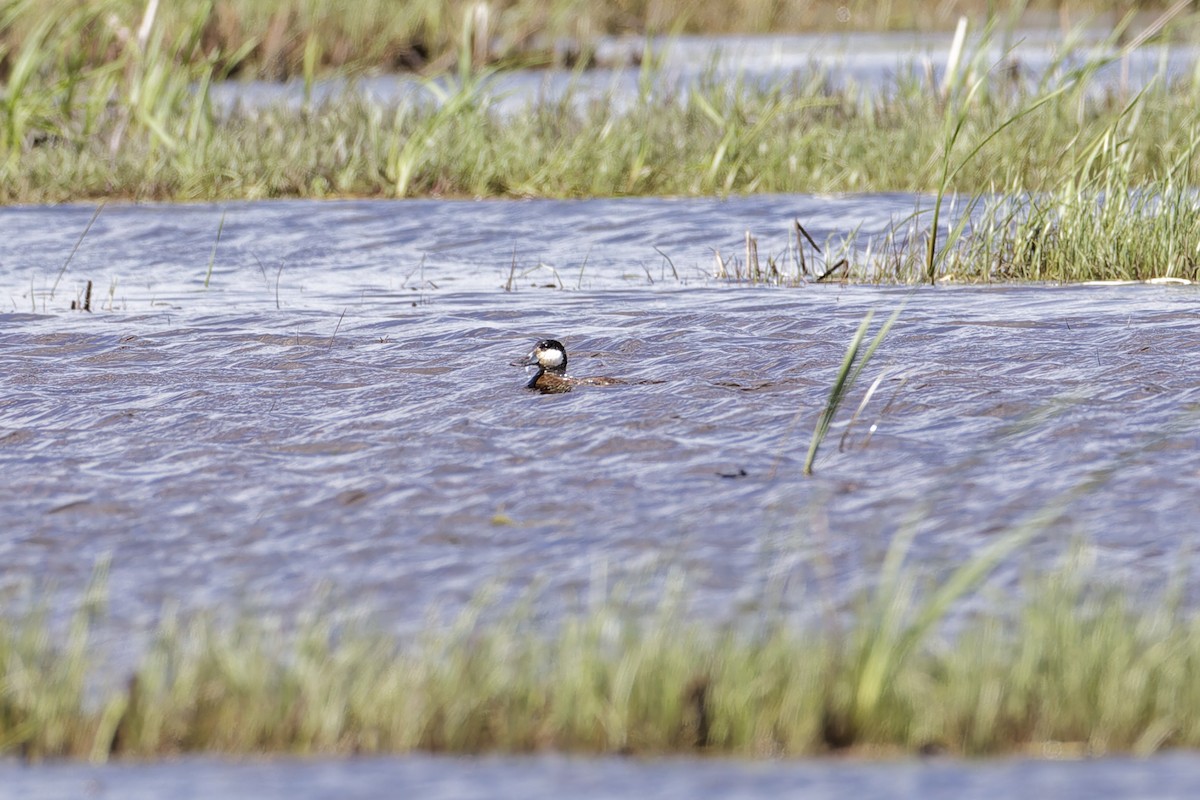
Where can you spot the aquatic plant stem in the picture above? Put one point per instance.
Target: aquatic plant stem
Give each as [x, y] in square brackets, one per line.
[75, 249]
[212, 258]
[851, 367]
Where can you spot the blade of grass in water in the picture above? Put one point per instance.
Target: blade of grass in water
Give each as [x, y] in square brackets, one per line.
[212, 259]
[75, 249]
[851, 367]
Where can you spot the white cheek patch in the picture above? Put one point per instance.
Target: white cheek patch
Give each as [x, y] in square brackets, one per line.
[550, 358]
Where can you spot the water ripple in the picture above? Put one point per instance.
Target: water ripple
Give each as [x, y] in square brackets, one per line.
[227, 449]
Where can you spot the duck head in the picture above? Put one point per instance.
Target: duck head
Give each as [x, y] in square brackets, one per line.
[548, 355]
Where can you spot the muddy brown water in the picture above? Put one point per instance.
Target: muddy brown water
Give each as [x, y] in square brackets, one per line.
[336, 417]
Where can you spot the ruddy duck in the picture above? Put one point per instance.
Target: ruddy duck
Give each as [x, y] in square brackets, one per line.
[550, 358]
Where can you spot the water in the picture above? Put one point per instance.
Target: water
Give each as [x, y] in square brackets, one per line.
[1159, 778]
[874, 62]
[327, 416]
[335, 416]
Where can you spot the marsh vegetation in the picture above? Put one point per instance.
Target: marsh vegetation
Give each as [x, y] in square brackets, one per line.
[1065, 668]
[1075, 181]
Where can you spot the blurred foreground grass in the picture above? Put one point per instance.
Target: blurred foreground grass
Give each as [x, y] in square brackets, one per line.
[1059, 666]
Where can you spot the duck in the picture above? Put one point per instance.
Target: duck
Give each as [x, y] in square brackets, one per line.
[549, 357]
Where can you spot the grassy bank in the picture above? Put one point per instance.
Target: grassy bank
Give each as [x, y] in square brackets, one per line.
[1080, 232]
[143, 127]
[283, 39]
[142, 124]
[1067, 669]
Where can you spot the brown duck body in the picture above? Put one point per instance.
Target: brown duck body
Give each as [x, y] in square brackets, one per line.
[550, 358]
[549, 383]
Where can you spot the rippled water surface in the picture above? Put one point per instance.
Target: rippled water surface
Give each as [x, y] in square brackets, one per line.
[336, 412]
[1169, 777]
[874, 61]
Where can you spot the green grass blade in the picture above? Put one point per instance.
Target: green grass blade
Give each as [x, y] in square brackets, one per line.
[212, 258]
[836, 393]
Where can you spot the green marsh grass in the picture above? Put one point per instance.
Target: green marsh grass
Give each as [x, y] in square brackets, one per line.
[1060, 662]
[143, 125]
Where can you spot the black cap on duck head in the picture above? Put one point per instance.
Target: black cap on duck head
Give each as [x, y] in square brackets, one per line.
[549, 354]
